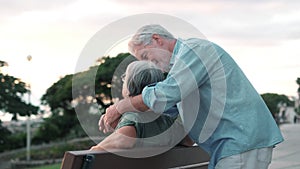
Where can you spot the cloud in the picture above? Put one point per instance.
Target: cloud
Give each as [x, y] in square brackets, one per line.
[60, 28]
[16, 6]
[257, 22]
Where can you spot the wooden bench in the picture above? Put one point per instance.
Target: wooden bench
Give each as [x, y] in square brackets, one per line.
[178, 157]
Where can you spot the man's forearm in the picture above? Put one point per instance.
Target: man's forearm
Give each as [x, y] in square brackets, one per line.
[132, 104]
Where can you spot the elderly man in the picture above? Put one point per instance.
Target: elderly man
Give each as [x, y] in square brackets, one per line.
[220, 109]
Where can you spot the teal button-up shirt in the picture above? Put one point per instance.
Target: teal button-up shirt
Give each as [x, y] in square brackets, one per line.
[220, 109]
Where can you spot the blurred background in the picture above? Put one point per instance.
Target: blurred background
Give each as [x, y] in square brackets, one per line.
[42, 40]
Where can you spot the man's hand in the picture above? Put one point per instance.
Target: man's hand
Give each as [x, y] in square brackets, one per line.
[108, 121]
[113, 112]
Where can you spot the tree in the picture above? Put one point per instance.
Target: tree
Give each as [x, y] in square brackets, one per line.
[12, 91]
[11, 96]
[74, 93]
[4, 139]
[273, 100]
[297, 109]
[298, 82]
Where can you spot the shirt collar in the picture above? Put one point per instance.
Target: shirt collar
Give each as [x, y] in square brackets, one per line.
[175, 51]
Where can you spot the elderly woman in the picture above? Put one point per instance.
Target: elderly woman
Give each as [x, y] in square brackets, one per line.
[144, 129]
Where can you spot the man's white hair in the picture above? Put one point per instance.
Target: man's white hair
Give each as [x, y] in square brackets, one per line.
[143, 36]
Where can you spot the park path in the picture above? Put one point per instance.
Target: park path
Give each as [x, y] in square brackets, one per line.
[286, 155]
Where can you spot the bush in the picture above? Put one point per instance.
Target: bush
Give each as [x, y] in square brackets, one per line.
[49, 151]
[58, 151]
[13, 141]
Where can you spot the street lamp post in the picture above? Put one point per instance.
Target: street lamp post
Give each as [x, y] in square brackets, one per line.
[28, 120]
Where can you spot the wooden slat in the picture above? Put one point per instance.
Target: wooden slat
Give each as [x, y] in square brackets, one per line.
[186, 157]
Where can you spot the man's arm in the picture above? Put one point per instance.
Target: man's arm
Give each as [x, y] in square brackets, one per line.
[113, 113]
[132, 104]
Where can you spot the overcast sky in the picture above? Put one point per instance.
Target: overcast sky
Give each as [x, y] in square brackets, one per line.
[262, 36]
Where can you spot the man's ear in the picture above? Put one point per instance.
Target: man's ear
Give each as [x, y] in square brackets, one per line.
[157, 38]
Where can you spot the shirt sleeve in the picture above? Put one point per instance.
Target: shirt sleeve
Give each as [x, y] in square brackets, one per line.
[189, 72]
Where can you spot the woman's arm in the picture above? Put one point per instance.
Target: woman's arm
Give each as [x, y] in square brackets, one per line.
[187, 141]
[122, 138]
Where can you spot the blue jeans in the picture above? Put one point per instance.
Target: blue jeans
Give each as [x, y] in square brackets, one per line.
[253, 159]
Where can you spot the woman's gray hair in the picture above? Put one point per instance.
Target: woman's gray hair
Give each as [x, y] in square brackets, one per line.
[141, 74]
[144, 36]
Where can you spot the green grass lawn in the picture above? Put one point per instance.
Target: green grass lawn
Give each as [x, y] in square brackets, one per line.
[51, 166]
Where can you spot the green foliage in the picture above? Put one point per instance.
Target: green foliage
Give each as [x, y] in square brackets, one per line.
[17, 140]
[57, 126]
[78, 93]
[63, 119]
[12, 141]
[58, 151]
[59, 95]
[50, 151]
[11, 96]
[2, 64]
[12, 91]
[272, 100]
[4, 139]
[49, 166]
[298, 82]
[297, 110]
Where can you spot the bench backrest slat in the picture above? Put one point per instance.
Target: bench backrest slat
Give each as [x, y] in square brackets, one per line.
[178, 157]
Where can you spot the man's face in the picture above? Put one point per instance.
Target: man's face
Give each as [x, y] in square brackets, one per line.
[154, 53]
